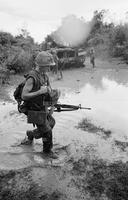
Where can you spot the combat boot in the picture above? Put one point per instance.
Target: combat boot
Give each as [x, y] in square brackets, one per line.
[30, 135]
[26, 141]
[47, 150]
[29, 139]
[50, 154]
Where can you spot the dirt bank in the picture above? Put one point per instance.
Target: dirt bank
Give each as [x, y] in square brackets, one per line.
[90, 161]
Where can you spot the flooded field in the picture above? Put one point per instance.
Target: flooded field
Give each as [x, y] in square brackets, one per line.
[80, 137]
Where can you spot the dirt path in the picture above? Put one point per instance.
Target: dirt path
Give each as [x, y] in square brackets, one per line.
[83, 170]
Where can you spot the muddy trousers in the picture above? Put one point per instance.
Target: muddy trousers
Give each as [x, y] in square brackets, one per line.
[44, 132]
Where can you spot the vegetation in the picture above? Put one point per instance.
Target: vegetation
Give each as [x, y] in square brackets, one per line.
[17, 53]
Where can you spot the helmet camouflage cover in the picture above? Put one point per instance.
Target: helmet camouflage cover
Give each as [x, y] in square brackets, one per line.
[44, 58]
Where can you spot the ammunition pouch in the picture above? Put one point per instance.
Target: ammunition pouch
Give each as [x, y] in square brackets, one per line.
[23, 108]
[36, 117]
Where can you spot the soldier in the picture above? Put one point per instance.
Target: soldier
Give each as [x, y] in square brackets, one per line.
[92, 57]
[61, 66]
[56, 60]
[36, 88]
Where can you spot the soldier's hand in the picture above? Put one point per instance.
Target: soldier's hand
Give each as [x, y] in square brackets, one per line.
[49, 89]
[51, 110]
[43, 90]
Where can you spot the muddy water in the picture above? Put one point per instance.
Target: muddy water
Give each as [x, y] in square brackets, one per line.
[107, 95]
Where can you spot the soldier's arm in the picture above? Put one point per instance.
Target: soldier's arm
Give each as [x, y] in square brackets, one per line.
[27, 94]
[48, 84]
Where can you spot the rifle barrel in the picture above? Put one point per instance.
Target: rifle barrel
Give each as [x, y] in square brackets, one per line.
[67, 107]
[85, 108]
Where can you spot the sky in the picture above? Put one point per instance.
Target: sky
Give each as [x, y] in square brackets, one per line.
[41, 17]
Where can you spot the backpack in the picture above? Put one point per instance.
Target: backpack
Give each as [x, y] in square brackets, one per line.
[17, 95]
[22, 105]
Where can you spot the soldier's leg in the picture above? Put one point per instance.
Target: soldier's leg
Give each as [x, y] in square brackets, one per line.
[93, 63]
[47, 135]
[29, 139]
[51, 121]
[44, 132]
[31, 134]
[61, 74]
[57, 69]
[47, 142]
[36, 133]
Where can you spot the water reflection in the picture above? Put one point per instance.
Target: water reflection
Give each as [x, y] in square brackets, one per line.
[96, 77]
[109, 103]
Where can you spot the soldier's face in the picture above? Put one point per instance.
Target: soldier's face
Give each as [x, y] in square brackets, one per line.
[44, 69]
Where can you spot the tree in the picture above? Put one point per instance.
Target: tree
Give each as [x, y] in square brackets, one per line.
[97, 21]
[6, 39]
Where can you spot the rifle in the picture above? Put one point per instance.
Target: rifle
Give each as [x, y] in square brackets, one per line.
[66, 107]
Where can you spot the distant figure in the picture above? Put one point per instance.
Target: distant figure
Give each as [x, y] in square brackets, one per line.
[60, 68]
[4, 76]
[92, 57]
[56, 60]
[85, 57]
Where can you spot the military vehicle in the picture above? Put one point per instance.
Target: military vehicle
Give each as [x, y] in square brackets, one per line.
[69, 57]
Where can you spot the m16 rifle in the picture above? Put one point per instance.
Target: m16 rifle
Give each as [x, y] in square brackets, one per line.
[66, 107]
[52, 101]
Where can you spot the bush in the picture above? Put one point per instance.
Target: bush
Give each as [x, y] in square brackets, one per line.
[125, 56]
[118, 50]
[20, 62]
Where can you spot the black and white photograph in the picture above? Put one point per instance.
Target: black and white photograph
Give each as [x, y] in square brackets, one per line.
[63, 100]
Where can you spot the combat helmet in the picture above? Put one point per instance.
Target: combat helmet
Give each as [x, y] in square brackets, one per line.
[44, 58]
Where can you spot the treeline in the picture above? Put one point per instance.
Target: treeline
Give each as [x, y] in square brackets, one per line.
[111, 38]
[18, 53]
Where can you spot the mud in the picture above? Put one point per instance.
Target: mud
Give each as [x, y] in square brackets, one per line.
[102, 180]
[92, 146]
[20, 185]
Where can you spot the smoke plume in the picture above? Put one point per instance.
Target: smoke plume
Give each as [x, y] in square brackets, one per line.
[72, 32]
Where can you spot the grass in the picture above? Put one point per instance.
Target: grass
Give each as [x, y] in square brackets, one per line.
[87, 125]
